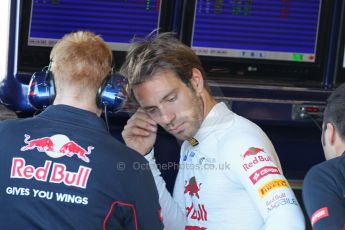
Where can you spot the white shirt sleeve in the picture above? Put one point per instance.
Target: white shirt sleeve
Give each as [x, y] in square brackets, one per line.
[173, 216]
[256, 166]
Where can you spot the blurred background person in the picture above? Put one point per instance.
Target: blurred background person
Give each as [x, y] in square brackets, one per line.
[324, 184]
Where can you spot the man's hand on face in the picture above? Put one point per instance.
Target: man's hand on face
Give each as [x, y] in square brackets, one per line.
[140, 132]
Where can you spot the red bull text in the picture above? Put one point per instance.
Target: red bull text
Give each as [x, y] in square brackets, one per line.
[58, 173]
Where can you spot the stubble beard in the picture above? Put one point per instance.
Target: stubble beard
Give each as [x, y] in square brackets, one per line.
[193, 121]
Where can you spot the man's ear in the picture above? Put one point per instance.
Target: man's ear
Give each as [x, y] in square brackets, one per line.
[330, 133]
[197, 81]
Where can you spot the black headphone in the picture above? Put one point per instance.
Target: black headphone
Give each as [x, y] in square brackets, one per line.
[111, 95]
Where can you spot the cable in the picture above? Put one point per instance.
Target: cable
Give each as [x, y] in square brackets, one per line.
[106, 116]
[313, 120]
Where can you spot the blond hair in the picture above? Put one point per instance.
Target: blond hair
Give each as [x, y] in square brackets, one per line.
[80, 59]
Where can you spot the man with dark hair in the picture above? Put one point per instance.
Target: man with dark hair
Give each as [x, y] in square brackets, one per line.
[62, 169]
[229, 176]
[324, 184]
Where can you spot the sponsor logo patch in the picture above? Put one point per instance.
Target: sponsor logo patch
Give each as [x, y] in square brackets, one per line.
[319, 214]
[262, 172]
[193, 141]
[271, 185]
[256, 161]
[282, 202]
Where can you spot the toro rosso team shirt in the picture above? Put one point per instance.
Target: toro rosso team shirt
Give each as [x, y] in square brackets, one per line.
[324, 194]
[62, 170]
[229, 178]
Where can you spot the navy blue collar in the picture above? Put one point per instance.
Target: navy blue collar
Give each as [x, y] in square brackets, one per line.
[73, 115]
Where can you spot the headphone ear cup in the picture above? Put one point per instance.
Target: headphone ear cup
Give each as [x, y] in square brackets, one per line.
[112, 93]
[100, 92]
[41, 92]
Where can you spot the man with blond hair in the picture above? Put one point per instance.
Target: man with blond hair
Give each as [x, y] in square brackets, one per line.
[62, 169]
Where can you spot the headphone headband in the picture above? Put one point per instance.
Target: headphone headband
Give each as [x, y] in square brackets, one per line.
[112, 93]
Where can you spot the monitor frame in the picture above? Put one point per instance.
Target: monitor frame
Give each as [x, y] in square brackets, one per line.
[267, 72]
[33, 58]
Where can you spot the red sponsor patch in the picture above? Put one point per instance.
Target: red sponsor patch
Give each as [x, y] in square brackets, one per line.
[262, 172]
[318, 215]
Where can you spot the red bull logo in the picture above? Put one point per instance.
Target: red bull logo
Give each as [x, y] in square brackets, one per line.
[192, 188]
[41, 144]
[252, 151]
[57, 146]
[71, 148]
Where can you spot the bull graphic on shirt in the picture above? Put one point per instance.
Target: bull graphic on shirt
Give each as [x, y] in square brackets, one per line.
[192, 187]
[252, 151]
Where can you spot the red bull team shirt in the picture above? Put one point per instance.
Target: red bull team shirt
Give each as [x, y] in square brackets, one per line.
[229, 178]
[62, 170]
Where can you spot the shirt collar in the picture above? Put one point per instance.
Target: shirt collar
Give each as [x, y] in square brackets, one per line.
[216, 118]
[73, 115]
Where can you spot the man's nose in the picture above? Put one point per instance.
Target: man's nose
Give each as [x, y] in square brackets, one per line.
[167, 116]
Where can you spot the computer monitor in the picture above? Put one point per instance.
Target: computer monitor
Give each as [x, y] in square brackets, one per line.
[43, 22]
[268, 41]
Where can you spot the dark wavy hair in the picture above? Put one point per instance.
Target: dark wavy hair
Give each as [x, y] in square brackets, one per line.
[157, 53]
[335, 110]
